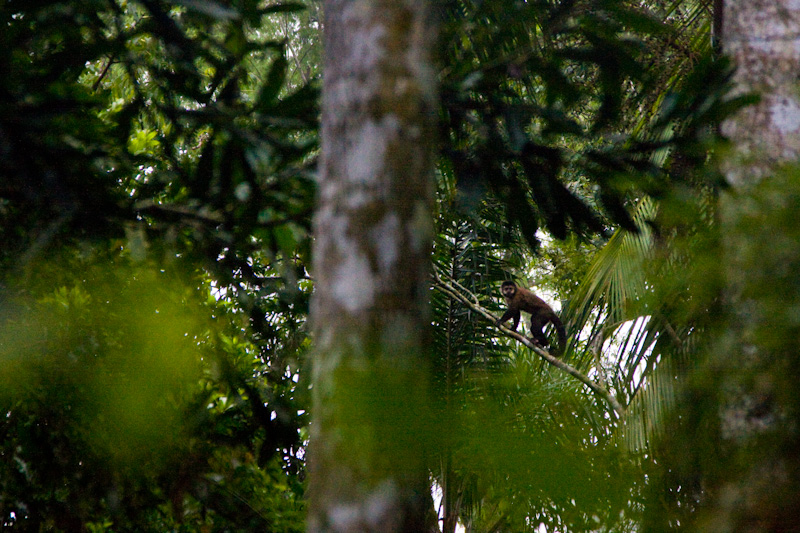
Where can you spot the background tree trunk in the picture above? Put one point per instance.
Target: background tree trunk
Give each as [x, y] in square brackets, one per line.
[373, 233]
[762, 38]
[753, 485]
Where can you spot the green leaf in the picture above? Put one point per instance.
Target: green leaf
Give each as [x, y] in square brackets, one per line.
[285, 239]
[275, 80]
[142, 142]
[301, 104]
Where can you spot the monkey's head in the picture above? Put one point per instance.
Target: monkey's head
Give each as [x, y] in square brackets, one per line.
[508, 289]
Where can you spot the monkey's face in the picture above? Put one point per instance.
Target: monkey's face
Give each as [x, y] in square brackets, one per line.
[508, 290]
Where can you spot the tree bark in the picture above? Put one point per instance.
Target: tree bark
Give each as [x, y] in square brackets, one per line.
[762, 37]
[373, 234]
[752, 485]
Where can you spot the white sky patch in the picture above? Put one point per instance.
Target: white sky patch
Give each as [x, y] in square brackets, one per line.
[629, 330]
[218, 292]
[436, 492]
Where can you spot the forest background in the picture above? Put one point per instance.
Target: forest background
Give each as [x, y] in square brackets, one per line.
[158, 178]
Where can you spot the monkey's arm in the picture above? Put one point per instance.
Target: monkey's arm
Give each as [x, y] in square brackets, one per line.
[509, 314]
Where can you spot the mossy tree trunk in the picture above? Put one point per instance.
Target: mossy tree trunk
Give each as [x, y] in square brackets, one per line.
[373, 234]
[763, 39]
[753, 483]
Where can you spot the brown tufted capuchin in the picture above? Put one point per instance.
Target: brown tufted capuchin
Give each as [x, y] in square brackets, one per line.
[519, 299]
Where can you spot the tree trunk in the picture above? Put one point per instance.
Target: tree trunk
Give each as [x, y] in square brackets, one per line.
[762, 38]
[373, 234]
[753, 485]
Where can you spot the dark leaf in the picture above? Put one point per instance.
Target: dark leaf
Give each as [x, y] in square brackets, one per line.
[272, 85]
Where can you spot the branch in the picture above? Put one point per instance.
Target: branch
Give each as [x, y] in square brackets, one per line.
[96, 84]
[179, 211]
[451, 289]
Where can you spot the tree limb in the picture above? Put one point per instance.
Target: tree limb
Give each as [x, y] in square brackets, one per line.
[454, 290]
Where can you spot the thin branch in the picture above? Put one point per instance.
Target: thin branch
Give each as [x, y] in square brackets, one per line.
[212, 218]
[453, 290]
[207, 217]
[96, 84]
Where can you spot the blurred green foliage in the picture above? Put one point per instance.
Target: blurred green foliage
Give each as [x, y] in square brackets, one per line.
[122, 403]
[737, 417]
[117, 357]
[155, 200]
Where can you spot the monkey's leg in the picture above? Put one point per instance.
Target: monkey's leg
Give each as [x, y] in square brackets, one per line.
[537, 333]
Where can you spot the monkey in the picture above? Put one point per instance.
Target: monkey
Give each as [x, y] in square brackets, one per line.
[519, 299]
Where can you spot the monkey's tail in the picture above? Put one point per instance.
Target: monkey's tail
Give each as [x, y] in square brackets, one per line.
[562, 334]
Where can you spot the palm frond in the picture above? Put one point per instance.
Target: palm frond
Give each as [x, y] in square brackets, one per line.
[635, 344]
[615, 283]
